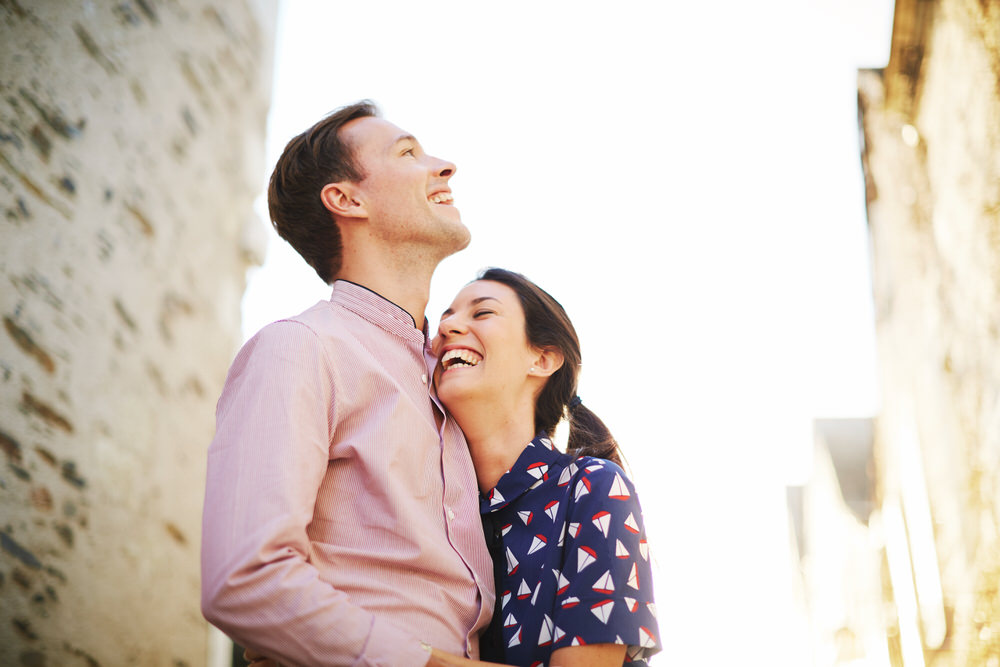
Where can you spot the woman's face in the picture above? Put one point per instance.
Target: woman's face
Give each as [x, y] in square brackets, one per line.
[482, 349]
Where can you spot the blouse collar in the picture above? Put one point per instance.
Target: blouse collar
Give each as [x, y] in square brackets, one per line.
[531, 469]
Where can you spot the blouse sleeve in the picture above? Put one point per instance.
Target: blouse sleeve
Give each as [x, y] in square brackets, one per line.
[606, 596]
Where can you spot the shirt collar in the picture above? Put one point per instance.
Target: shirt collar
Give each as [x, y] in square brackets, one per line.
[378, 310]
[532, 467]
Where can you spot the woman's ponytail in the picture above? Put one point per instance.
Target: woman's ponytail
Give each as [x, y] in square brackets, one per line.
[588, 436]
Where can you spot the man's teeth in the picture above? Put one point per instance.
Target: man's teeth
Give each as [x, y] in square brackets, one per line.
[460, 357]
[442, 198]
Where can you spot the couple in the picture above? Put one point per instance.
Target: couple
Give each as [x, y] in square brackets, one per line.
[356, 466]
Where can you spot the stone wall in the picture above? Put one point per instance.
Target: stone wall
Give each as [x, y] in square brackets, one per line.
[931, 128]
[131, 150]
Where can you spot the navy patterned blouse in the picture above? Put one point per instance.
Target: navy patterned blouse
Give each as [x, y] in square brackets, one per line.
[571, 560]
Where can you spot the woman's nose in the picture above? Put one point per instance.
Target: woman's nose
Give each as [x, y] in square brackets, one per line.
[451, 326]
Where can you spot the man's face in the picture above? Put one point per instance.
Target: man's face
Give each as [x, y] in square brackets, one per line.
[405, 191]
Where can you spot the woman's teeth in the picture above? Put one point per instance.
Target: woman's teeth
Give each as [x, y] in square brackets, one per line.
[453, 358]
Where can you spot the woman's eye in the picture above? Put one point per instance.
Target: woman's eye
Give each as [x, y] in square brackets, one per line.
[480, 313]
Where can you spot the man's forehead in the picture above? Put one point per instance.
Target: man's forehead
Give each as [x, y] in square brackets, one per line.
[371, 133]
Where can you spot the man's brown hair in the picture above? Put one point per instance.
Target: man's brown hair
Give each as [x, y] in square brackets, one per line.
[311, 160]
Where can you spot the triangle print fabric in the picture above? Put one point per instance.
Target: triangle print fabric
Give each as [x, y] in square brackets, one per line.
[575, 558]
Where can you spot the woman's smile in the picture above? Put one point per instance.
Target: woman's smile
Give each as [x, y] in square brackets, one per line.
[459, 357]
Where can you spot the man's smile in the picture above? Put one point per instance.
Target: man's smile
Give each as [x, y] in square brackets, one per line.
[442, 198]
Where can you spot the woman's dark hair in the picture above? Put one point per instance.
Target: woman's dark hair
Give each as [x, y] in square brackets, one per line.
[311, 160]
[547, 325]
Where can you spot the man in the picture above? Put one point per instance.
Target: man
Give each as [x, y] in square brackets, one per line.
[341, 523]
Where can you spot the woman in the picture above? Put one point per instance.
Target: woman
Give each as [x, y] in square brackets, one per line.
[572, 568]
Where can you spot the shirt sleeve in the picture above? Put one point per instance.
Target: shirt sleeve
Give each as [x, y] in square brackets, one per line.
[609, 597]
[265, 466]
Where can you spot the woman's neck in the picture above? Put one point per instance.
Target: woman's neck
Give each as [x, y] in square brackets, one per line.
[496, 433]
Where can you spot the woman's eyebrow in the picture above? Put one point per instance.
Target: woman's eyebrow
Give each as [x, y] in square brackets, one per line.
[475, 302]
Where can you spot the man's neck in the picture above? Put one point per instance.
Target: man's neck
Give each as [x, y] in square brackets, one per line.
[410, 290]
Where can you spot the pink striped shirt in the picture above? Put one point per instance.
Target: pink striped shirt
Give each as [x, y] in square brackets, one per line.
[341, 523]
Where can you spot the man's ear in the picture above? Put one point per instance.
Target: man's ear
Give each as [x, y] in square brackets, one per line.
[342, 200]
[548, 361]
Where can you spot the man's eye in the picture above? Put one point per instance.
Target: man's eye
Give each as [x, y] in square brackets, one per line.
[408, 151]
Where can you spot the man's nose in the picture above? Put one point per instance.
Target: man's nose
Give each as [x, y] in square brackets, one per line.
[444, 168]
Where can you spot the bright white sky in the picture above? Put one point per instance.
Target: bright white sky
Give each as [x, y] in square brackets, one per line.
[685, 178]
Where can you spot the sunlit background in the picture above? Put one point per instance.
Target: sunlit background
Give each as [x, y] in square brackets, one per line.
[685, 178]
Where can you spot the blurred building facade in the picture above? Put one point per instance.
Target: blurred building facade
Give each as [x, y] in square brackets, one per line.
[930, 126]
[131, 150]
[837, 546]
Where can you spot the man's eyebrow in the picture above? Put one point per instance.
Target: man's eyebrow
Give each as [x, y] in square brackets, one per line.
[405, 137]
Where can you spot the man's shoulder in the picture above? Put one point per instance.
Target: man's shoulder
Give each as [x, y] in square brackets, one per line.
[310, 329]
[321, 315]
[322, 320]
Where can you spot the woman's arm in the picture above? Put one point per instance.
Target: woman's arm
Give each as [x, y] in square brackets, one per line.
[597, 655]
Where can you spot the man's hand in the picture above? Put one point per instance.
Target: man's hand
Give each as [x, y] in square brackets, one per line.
[442, 659]
[258, 659]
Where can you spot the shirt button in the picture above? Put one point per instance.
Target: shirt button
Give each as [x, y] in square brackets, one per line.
[423, 378]
[451, 514]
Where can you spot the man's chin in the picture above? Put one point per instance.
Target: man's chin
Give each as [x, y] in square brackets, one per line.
[459, 239]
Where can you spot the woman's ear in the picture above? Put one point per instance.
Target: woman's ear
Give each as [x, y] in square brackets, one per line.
[342, 200]
[548, 361]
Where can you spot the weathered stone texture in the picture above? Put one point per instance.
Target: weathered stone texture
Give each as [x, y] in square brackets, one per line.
[131, 150]
[931, 124]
